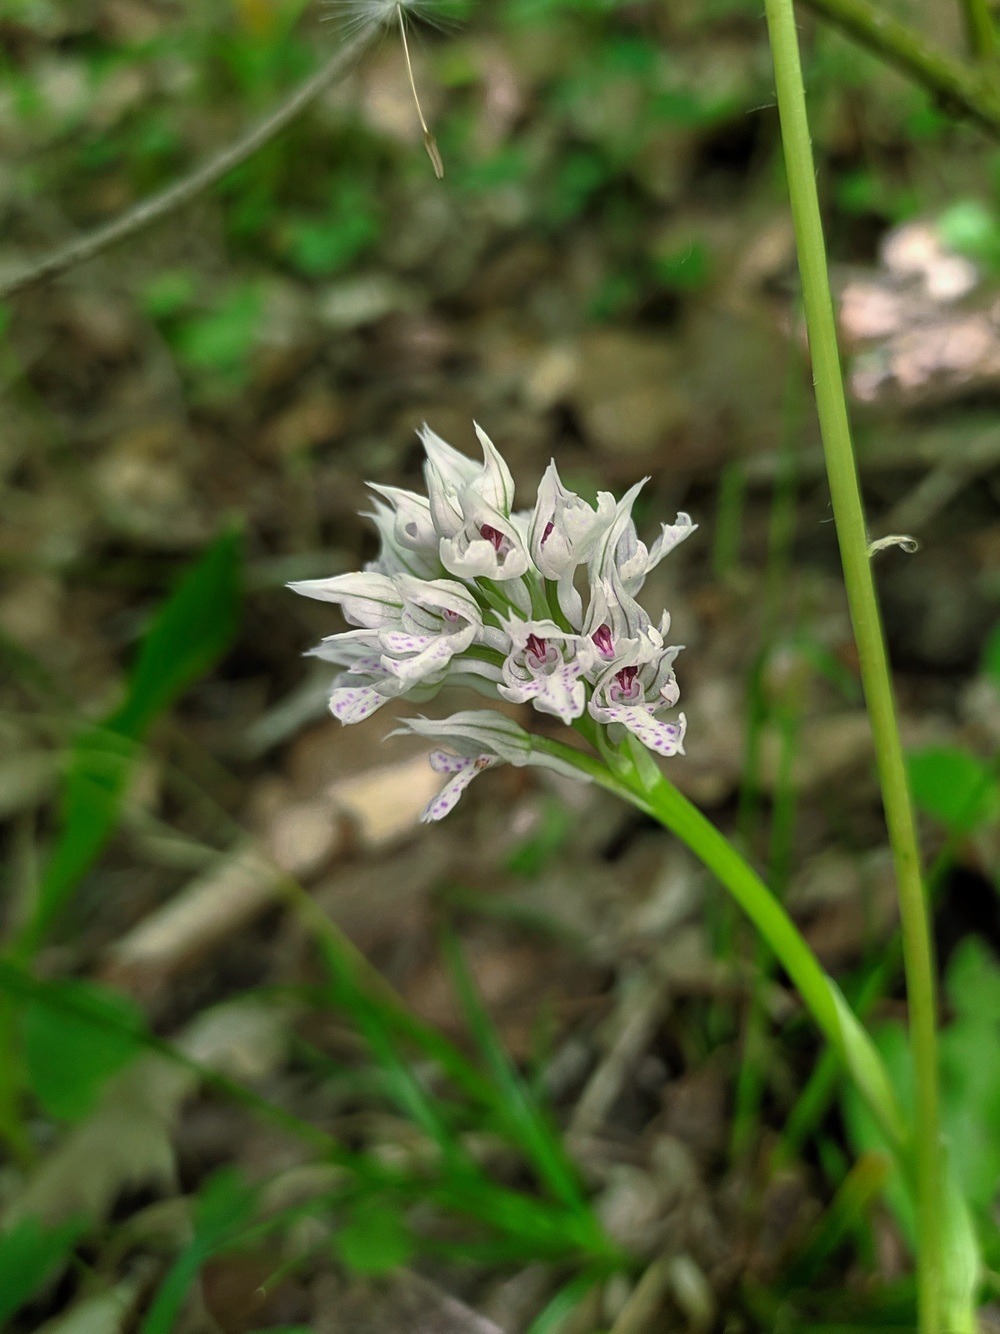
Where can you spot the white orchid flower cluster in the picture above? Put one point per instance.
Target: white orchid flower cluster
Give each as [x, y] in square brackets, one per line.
[532, 607]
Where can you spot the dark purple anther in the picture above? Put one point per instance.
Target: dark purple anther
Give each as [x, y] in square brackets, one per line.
[548, 529]
[626, 679]
[605, 644]
[537, 647]
[492, 535]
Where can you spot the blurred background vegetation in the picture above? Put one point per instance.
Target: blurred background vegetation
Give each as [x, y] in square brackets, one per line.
[274, 1059]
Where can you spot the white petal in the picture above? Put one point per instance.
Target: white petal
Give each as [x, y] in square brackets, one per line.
[662, 737]
[412, 523]
[428, 600]
[560, 693]
[475, 557]
[445, 511]
[370, 600]
[442, 762]
[446, 800]
[672, 535]
[434, 658]
[496, 485]
[455, 468]
[353, 704]
[401, 641]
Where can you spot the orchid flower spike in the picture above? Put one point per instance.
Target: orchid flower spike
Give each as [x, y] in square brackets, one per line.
[533, 608]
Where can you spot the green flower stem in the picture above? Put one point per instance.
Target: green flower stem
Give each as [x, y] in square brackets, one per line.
[820, 993]
[853, 537]
[644, 786]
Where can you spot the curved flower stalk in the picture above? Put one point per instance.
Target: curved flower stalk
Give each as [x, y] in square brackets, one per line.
[540, 608]
[534, 607]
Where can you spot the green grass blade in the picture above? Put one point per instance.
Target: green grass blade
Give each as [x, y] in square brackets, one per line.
[189, 632]
[192, 629]
[523, 1119]
[565, 1302]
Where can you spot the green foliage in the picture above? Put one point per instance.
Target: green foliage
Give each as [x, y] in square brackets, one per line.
[970, 1108]
[30, 1255]
[507, 1224]
[221, 340]
[954, 786]
[75, 1035]
[191, 630]
[318, 246]
[684, 269]
[554, 831]
[973, 229]
[579, 175]
[991, 658]
[970, 1072]
[375, 1240]
[169, 294]
[225, 1207]
[863, 191]
[521, 1116]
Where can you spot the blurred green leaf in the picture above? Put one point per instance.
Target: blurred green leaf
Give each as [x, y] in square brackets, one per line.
[169, 293]
[686, 269]
[970, 1070]
[970, 1118]
[954, 786]
[990, 663]
[222, 339]
[525, 1121]
[580, 174]
[375, 1240]
[864, 1131]
[225, 1206]
[30, 1254]
[554, 831]
[324, 245]
[192, 629]
[189, 632]
[972, 983]
[973, 229]
[75, 1041]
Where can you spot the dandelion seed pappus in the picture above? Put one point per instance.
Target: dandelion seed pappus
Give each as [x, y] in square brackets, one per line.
[353, 15]
[375, 14]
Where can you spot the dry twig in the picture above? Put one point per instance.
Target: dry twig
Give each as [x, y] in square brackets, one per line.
[175, 196]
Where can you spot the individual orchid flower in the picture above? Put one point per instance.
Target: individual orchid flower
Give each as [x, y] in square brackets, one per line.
[620, 550]
[545, 667]
[633, 694]
[480, 738]
[487, 546]
[562, 532]
[409, 538]
[618, 628]
[411, 630]
[450, 476]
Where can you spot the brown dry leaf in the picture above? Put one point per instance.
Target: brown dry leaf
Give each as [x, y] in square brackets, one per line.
[127, 1141]
[228, 896]
[384, 804]
[402, 1302]
[629, 394]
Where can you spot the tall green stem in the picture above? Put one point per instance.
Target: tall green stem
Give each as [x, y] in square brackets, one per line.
[636, 778]
[853, 538]
[979, 32]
